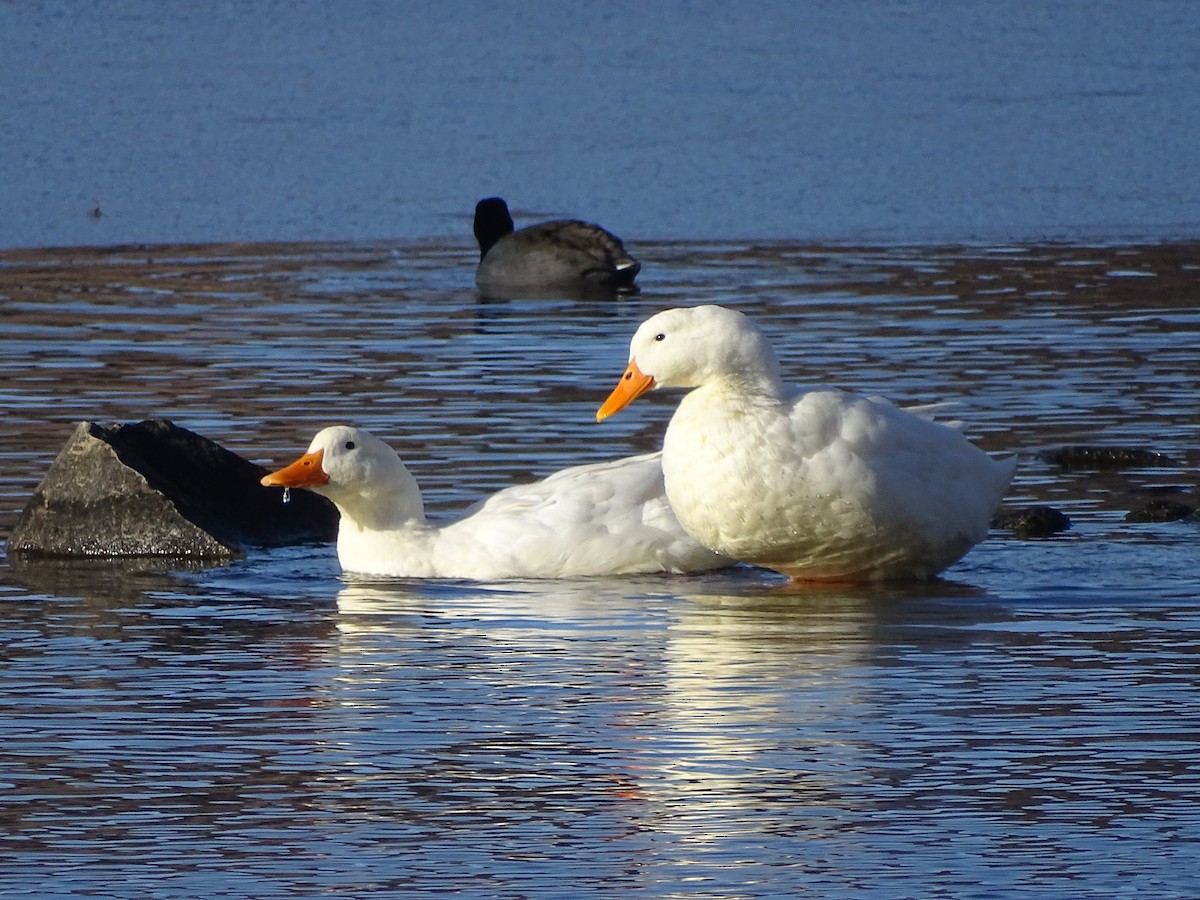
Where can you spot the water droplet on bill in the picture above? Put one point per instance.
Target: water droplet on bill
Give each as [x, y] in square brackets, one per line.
[287, 495]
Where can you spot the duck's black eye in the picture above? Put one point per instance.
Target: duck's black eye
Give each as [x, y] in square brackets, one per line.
[660, 337]
[349, 445]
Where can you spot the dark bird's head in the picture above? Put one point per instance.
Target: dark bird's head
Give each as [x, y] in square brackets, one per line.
[492, 222]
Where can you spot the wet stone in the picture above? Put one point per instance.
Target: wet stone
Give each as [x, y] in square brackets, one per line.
[1161, 511]
[1083, 457]
[1032, 521]
[154, 489]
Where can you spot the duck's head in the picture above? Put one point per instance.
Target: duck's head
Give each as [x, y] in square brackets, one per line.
[354, 469]
[694, 346]
[492, 222]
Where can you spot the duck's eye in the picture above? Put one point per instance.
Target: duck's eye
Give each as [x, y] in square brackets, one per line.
[349, 445]
[660, 337]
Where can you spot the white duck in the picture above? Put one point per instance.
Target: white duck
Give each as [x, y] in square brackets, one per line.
[562, 254]
[820, 485]
[607, 518]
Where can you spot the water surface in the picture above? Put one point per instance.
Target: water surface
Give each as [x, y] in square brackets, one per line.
[269, 728]
[890, 121]
[995, 204]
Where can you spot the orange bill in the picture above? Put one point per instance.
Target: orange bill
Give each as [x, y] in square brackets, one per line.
[632, 385]
[304, 472]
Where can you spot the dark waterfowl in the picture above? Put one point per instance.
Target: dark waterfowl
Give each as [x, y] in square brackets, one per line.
[564, 253]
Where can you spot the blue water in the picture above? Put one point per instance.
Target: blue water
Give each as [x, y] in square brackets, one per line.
[870, 182]
[810, 120]
[269, 728]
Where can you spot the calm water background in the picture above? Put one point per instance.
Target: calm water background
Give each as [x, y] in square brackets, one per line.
[1030, 725]
[817, 119]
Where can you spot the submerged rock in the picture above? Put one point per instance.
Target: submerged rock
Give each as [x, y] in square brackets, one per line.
[1032, 521]
[154, 489]
[1075, 457]
[1161, 511]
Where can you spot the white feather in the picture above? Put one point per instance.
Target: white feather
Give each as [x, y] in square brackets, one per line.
[820, 485]
[608, 518]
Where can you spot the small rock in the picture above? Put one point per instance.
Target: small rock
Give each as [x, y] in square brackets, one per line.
[1160, 511]
[1032, 521]
[1107, 458]
[154, 489]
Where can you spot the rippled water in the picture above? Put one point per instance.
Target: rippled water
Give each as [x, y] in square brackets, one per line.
[269, 728]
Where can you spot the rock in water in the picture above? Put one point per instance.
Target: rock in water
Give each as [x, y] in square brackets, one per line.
[154, 489]
[1111, 458]
[1032, 521]
[1161, 511]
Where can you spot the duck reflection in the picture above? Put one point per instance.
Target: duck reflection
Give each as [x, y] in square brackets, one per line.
[514, 612]
[696, 707]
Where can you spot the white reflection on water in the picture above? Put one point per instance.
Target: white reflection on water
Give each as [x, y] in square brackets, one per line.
[752, 730]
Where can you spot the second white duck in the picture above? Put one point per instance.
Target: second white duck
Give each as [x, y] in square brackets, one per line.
[820, 485]
[608, 518]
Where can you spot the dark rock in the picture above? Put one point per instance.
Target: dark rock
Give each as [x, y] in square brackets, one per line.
[1107, 458]
[1160, 511]
[1032, 521]
[155, 489]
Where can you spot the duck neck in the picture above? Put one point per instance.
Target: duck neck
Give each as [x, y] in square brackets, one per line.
[759, 385]
[751, 369]
[388, 506]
